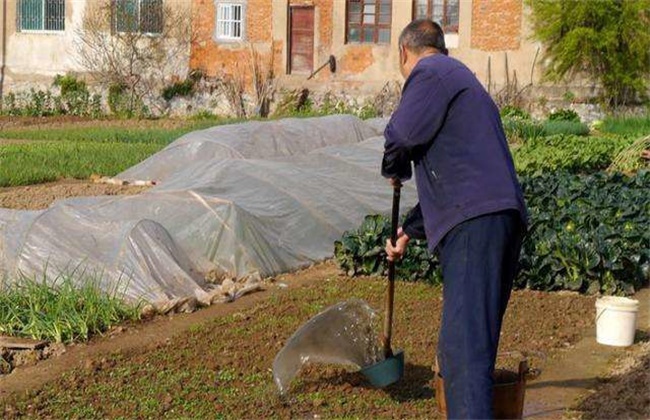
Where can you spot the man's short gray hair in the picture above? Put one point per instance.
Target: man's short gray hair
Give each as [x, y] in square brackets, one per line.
[423, 34]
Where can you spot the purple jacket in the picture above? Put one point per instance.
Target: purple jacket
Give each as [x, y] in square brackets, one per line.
[449, 127]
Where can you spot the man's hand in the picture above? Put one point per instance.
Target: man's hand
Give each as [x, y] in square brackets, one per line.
[395, 182]
[395, 253]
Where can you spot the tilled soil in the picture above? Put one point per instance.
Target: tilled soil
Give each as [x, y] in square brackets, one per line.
[64, 121]
[221, 368]
[625, 392]
[37, 197]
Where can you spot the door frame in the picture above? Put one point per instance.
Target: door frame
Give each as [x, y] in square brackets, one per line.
[289, 43]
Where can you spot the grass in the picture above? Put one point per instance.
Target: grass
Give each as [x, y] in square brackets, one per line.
[627, 126]
[62, 311]
[111, 134]
[78, 152]
[565, 127]
[26, 164]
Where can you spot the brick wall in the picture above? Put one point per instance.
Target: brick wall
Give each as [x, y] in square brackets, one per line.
[496, 24]
[215, 57]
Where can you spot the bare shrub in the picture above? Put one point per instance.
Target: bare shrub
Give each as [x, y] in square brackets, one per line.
[139, 62]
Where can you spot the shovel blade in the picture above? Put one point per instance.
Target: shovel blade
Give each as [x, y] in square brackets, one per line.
[385, 372]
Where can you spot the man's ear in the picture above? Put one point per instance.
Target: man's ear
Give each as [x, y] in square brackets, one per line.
[403, 58]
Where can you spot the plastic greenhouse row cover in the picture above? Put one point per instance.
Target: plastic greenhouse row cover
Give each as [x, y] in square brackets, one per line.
[237, 201]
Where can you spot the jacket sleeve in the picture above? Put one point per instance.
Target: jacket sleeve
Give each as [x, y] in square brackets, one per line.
[413, 224]
[415, 122]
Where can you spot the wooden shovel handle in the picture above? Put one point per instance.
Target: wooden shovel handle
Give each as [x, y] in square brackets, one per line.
[390, 294]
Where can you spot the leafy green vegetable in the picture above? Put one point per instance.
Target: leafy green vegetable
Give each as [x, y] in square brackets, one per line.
[571, 153]
[588, 233]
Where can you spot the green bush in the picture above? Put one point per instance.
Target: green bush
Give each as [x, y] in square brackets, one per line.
[32, 103]
[587, 234]
[607, 40]
[510, 111]
[123, 102]
[75, 98]
[182, 88]
[569, 153]
[564, 115]
[554, 127]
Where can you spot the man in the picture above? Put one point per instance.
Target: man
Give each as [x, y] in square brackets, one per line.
[470, 207]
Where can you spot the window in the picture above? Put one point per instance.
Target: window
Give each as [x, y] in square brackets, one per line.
[444, 12]
[368, 21]
[41, 15]
[145, 16]
[230, 21]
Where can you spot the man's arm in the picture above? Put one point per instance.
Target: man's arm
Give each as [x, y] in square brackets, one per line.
[414, 124]
[413, 224]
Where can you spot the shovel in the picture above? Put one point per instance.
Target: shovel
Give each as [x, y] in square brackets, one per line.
[391, 369]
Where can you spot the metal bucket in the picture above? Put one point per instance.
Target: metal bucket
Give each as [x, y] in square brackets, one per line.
[509, 391]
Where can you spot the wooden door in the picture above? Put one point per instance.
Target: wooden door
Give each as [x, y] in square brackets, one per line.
[301, 39]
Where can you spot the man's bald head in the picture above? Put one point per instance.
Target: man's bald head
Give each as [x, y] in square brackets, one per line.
[422, 35]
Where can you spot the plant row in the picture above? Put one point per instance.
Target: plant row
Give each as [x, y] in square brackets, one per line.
[60, 311]
[587, 233]
[568, 152]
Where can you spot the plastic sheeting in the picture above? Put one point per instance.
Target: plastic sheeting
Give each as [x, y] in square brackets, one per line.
[343, 334]
[252, 199]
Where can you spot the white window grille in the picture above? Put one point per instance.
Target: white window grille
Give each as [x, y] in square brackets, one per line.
[230, 21]
[144, 16]
[369, 21]
[41, 15]
[444, 12]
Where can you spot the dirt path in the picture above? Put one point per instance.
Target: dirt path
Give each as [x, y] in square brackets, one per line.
[37, 197]
[66, 121]
[580, 369]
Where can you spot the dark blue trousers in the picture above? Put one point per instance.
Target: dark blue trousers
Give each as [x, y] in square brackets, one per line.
[479, 263]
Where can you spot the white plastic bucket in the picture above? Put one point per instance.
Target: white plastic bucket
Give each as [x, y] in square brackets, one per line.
[616, 320]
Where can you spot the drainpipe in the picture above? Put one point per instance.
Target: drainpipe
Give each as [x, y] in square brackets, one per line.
[4, 50]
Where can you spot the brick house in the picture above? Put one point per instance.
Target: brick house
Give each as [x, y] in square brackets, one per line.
[362, 35]
[39, 38]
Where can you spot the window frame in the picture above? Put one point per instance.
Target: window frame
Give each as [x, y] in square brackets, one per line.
[429, 15]
[19, 20]
[376, 25]
[219, 5]
[138, 30]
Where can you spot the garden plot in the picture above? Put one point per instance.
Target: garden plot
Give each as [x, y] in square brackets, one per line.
[40, 197]
[243, 200]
